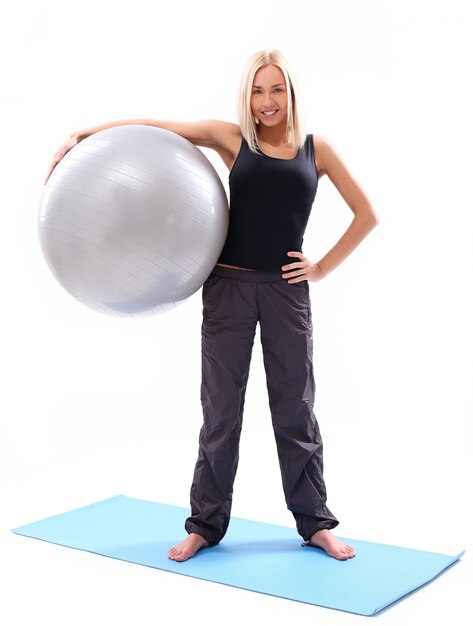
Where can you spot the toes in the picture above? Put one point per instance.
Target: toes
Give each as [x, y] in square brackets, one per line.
[343, 552]
[347, 549]
[180, 554]
[174, 554]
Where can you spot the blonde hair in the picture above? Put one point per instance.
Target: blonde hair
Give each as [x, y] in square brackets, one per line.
[295, 132]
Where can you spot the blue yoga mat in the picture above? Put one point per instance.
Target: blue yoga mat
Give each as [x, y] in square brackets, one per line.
[254, 556]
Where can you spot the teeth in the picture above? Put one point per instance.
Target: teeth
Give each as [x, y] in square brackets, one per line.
[267, 113]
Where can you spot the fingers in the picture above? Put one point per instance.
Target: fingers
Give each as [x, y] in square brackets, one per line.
[296, 253]
[297, 280]
[60, 154]
[301, 263]
[292, 266]
[302, 269]
[57, 157]
[53, 165]
[294, 277]
[294, 270]
[292, 274]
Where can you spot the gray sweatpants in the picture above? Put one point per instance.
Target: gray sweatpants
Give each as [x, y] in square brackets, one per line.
[234, 301]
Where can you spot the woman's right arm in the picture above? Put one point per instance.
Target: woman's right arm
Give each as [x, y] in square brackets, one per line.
[208, 133]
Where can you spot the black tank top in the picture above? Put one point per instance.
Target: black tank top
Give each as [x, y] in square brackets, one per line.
[270, 203]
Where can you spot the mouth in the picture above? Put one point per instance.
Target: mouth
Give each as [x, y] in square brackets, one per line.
[271, 113]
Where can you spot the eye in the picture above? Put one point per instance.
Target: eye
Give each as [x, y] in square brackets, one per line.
[275, 89]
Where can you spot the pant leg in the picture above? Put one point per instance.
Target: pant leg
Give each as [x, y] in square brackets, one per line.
[287, 342]
[228, 330]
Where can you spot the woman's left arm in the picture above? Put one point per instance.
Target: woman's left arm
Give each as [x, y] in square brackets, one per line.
[364, 220]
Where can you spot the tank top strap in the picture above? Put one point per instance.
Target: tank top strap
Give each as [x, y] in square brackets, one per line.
[309, 145]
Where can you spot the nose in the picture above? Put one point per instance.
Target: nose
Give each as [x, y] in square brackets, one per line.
[267, 101]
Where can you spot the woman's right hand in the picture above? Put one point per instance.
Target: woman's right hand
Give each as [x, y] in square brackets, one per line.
[70, 142]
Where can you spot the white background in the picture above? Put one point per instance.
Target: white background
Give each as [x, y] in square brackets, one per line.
[94, 406]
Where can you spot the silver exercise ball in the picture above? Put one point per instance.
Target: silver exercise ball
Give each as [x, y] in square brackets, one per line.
[132, 220]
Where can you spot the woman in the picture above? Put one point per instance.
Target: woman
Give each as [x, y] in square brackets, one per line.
[274, 172]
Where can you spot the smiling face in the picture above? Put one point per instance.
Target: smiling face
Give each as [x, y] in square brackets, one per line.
[269, 93]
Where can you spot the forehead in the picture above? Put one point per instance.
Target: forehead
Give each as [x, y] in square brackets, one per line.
[269, 75]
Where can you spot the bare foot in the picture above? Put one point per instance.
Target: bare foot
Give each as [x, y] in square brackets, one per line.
[332, 546]
[187, 548]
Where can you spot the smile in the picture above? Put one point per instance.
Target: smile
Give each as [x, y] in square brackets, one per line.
[270, 113]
